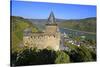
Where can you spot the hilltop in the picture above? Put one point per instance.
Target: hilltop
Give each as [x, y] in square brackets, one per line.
[18, 24]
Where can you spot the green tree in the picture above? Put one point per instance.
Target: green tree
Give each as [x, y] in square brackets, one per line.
[62, 57]
[80, 54]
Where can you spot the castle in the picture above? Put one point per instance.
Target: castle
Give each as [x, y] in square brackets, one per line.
[50, 38]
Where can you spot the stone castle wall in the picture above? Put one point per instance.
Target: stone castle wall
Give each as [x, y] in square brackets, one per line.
[43, 40]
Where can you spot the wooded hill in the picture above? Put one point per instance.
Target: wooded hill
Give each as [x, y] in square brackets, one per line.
[87, 24]
[18, 25]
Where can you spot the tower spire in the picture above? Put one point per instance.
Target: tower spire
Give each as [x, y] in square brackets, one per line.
[51, 19]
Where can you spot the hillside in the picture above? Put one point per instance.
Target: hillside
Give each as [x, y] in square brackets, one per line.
[40, 23]
[87, 24]
[18, 24]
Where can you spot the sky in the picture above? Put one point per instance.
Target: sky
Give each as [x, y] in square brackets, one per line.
[40, 10]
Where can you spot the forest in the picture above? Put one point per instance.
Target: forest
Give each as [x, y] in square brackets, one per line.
[46, 56]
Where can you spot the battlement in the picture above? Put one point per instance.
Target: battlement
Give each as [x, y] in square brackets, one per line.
[51, 24]
[43, 35]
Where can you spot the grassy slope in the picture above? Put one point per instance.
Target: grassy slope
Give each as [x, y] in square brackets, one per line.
[88, 24]
[18, 24]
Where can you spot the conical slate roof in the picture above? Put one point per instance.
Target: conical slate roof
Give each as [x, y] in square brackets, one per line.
[51, 19]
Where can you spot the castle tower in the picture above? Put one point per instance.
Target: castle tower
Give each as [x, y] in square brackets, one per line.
[53, 40]
[51, 26]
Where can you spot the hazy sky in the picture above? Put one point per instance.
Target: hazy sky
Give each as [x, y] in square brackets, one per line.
[40, 10]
